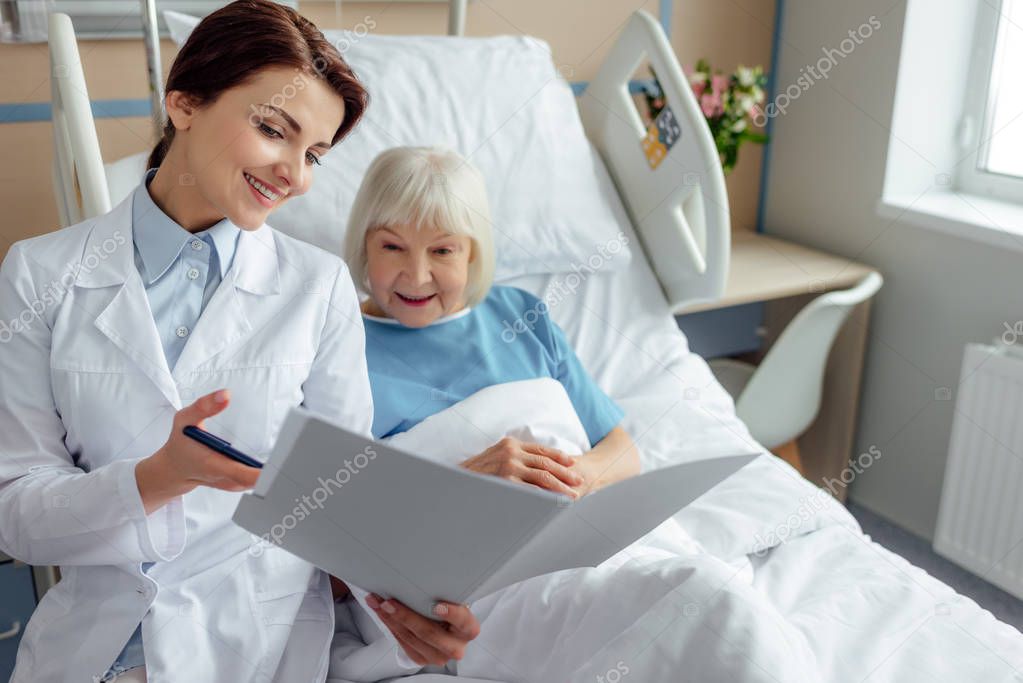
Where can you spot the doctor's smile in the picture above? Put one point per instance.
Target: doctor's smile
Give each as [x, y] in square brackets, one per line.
[264, 192]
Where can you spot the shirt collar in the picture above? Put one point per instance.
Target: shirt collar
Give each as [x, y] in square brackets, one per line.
[159, 239]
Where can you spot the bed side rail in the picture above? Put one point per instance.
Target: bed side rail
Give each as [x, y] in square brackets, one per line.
[79, 182]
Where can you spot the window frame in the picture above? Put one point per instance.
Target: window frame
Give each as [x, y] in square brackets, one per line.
[978, 110]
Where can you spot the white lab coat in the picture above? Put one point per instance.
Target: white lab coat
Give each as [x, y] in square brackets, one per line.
[85, 392]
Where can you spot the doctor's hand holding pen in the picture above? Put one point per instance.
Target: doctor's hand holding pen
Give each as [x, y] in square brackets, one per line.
[183, 464]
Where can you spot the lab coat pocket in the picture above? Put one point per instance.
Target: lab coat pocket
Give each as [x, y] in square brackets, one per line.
[298, 628]
[109, 415]
[285, 393]
[260, 399]
[285, 610]
[290, 590]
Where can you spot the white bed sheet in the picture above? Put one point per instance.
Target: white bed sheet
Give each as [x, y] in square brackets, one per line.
[868, 613]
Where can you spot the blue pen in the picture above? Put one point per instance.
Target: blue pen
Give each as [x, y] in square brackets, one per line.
[220, 446]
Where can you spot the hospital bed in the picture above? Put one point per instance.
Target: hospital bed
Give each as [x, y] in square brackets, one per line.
[613, 245]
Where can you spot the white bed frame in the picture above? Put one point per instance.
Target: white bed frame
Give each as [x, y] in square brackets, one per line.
[679, 209]
[79, 181]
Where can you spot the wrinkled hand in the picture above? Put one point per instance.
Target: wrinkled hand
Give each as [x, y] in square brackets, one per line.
[428, 641]
[528, 463]
[589, 473]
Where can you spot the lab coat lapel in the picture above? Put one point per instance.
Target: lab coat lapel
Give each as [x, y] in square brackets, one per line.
[126, 320]
[226, 319]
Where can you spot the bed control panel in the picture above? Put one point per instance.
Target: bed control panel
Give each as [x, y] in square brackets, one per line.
[661, 136]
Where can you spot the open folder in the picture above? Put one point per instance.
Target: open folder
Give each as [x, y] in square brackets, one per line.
[409, 528]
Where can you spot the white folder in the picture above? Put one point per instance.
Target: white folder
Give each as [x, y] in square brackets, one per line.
[402, 526]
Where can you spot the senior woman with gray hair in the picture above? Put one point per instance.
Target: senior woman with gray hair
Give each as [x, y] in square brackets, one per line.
[419, 244]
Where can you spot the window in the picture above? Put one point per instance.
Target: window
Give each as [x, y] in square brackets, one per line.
[991, 130]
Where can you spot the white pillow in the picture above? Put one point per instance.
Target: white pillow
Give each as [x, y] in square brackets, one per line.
[499, 102]
[124, 175]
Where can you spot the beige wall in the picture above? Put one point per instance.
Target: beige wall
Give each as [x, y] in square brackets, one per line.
[580, 33]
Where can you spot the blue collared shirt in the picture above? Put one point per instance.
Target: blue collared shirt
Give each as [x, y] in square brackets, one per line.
[180, 271]
[494, 351]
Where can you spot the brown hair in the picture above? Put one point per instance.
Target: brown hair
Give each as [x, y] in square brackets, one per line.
[231, 45]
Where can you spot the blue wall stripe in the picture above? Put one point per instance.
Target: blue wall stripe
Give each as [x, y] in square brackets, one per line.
[20, 113]
[772, 84]
[101, 109]
[635, 87]
[113, 109]
[665, 13]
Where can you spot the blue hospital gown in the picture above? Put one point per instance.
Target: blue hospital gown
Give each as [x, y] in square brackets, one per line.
[509, 336]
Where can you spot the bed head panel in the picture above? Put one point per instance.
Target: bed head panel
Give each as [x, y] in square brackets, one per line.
[671, 184]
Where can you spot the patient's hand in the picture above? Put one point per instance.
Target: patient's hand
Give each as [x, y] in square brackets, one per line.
[528, 463]
[427, 641]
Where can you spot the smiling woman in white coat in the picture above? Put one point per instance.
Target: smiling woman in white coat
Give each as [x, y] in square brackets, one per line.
[182, 307]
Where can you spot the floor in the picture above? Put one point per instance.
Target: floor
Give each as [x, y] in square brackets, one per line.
[1004, 606]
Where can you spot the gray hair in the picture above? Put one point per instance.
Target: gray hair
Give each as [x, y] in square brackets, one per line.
[423, 186]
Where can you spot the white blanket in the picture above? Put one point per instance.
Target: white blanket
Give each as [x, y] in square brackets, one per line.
[657, 609]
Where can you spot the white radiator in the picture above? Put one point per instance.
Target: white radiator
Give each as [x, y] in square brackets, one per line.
[980, 520]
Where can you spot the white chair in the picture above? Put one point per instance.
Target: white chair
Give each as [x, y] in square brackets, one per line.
[779, 398]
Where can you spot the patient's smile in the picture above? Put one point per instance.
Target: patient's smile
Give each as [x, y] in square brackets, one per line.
[414, 300]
